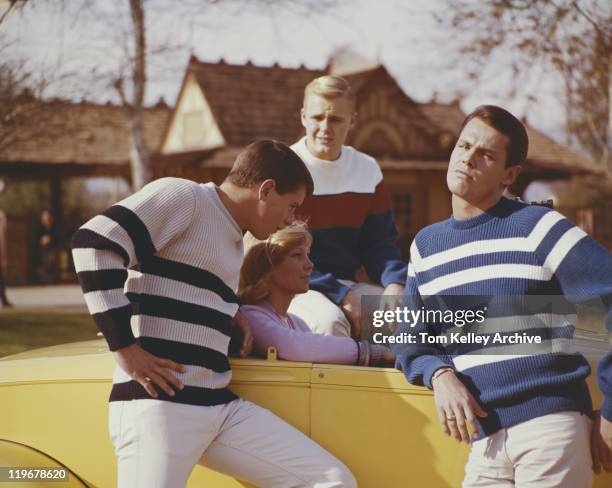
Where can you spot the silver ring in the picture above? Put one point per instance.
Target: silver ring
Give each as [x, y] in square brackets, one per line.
[451, 418]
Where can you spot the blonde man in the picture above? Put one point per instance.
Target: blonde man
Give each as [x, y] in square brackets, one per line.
[349, 214]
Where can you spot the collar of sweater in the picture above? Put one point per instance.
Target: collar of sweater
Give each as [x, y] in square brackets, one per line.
[502, 208]
[320, 164]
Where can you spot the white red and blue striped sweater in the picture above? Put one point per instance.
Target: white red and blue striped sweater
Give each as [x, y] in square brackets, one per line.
[350, 217]
[513, 249]
[159, 268]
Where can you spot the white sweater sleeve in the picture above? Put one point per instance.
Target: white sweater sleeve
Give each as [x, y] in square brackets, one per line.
[123, 236]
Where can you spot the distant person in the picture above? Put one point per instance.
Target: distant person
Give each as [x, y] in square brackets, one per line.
[4, 301]
[158, 271]
[349, 215]
[48, 245]
[272, 274]
[532, 413]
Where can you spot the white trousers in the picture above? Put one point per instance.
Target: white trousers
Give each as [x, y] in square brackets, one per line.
[325, 317]
[158, 443]
[552, 451]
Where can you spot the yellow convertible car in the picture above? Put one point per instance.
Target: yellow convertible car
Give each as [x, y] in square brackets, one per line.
[53, 405]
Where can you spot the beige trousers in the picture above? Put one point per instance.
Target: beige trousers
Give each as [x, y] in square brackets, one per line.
[158, 443]
[552, 451]
[325, 317]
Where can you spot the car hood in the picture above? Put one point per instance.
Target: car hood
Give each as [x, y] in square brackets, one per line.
[82, 348]
[91, 361]
[77, 361]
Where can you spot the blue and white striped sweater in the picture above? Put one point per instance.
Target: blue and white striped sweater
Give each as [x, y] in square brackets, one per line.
[513, 249]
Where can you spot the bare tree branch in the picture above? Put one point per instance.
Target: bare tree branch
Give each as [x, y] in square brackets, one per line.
[126, 35]
[13, 6]
[522, 36]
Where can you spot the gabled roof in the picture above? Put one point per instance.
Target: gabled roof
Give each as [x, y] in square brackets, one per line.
[82, 133]
[544, 152]
[253, 102]
[248, 102]
[448, 117]
[379, 76]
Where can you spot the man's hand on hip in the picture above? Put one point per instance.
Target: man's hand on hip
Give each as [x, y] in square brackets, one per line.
[601, 444]
[148, 369]
[351, 306]
[456, 407]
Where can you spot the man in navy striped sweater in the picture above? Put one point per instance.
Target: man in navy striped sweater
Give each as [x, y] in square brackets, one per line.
[532, 411]
[158, 271]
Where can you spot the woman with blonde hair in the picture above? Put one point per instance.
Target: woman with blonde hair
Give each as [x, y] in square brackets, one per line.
[273, 272]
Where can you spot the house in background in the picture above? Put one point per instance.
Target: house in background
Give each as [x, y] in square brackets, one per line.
[223, 107]
[60, 142]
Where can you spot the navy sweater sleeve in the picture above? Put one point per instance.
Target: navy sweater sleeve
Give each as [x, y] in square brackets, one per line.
[378, 235]
[328, 285]
[583, 269]
[418, 361]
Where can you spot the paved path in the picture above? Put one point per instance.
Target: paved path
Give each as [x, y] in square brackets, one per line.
[51, 296]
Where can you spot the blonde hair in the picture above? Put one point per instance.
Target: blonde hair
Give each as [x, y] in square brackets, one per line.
[262, 256]
[330, 86]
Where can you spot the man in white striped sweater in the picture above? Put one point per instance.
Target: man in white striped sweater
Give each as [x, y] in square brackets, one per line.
[158, 271]
[531, 412]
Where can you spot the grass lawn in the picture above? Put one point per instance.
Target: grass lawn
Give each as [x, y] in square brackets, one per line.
[23, 329]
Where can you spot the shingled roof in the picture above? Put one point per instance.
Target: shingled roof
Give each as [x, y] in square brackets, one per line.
[248, 102]
[83, 134]
[379, 76]
[252, 102]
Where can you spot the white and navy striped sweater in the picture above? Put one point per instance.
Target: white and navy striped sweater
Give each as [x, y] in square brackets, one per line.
[351, 221]
[513, 249]
[160, 268]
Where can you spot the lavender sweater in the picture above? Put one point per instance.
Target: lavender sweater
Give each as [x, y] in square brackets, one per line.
[294, 341]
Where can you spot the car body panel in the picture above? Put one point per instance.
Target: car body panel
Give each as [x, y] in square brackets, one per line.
[17, 455]
[383, 428]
